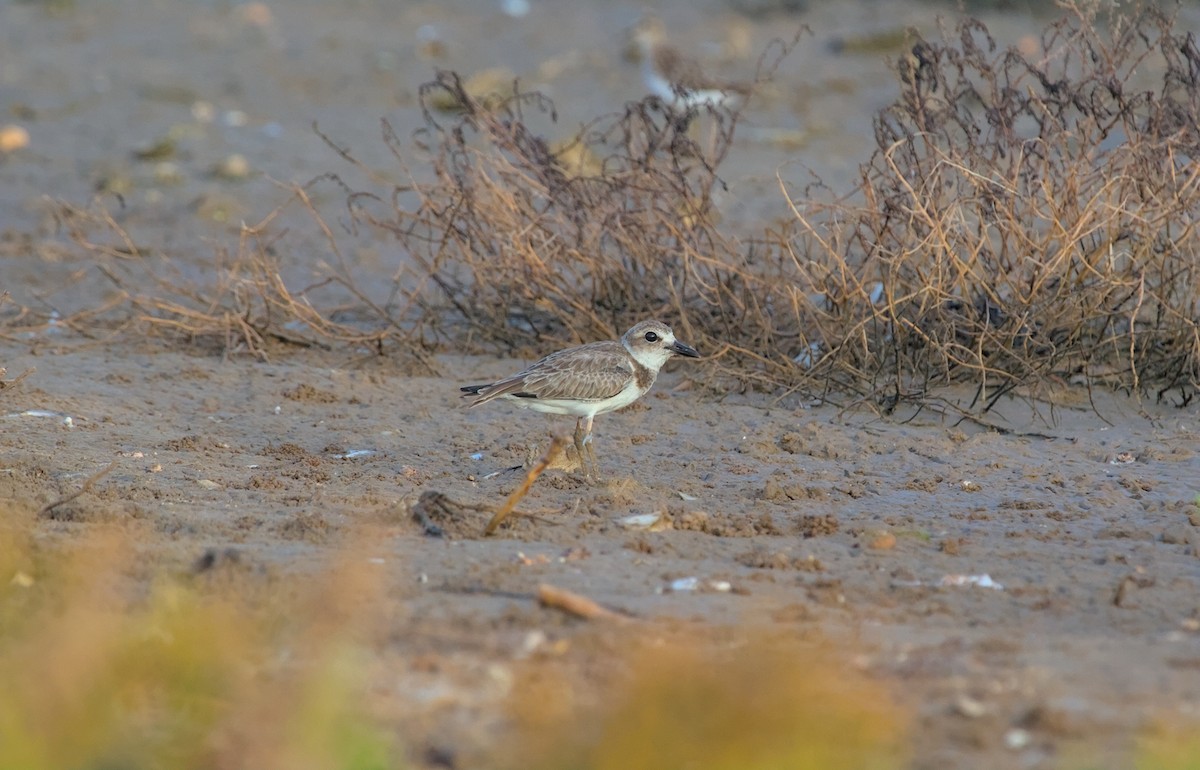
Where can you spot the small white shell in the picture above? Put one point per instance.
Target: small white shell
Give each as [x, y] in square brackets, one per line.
[641, 520]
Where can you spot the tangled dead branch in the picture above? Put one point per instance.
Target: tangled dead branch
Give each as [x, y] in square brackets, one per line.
[516, 240]
[1026, 219]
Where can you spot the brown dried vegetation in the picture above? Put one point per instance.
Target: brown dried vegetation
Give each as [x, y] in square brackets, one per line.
[1026, 219]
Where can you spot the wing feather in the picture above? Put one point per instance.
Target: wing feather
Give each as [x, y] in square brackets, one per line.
[686, 73]
[590, 372]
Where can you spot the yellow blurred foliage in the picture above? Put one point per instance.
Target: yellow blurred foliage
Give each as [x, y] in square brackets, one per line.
[765, 703]
[1171, 744]
[99, 671]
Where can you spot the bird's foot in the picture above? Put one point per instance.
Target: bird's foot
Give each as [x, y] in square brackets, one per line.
[585, 453]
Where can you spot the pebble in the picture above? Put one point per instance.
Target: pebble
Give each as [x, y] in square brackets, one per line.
[203, 112]
[233, 167]
[1016, 738]
[882, 541]
[646, 521]
[516, 9]
[968, 707]
[167, 172]
[13, 138]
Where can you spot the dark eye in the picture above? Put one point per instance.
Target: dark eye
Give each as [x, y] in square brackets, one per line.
[651, 337]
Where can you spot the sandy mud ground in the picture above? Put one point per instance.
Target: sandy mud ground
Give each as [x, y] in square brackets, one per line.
[1029, 596]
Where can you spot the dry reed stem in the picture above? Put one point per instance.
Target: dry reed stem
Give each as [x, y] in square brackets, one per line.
[10, 384]
[576, 604]
[556, 445]
[86, 487]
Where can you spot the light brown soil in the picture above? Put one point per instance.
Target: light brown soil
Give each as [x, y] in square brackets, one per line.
[840, 524]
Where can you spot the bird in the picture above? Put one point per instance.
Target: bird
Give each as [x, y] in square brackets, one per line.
[588, 380]
[676, 78]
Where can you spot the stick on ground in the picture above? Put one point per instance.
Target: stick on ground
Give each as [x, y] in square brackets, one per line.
[6, 384]
[556, 443]
[87, 485]
[575, 604]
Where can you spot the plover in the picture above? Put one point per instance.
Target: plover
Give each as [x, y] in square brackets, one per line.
[676, 78]
[589, 380]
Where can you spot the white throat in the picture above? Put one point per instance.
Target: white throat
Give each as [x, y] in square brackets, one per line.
[653, 357]
[656, 83]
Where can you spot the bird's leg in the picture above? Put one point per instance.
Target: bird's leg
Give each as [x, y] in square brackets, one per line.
[580, 439]
[590, 448]
[583, 441]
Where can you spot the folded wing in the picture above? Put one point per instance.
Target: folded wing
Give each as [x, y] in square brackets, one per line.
[589, 373]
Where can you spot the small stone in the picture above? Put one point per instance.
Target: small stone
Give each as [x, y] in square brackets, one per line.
[168, 172]
[966, 706]
[203, 112]
[233, 168]
[517, 9]
[13, 138]
[1016, 738]
[684, 584]
[882, 541]
[650, 522]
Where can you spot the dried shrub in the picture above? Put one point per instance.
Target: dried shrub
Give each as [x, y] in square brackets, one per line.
[515, 242]
[1025, 219]
[245, 304]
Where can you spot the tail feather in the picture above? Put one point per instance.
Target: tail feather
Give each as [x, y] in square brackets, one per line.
[473, 392]
[513, 386]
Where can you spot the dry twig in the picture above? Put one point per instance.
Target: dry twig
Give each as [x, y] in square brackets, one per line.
[556, 445]
[87, 486]
[10, 384]
[577, 605]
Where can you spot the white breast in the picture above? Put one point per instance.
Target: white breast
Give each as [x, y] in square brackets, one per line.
[627, 396]
[665, 90]
[656, 83]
